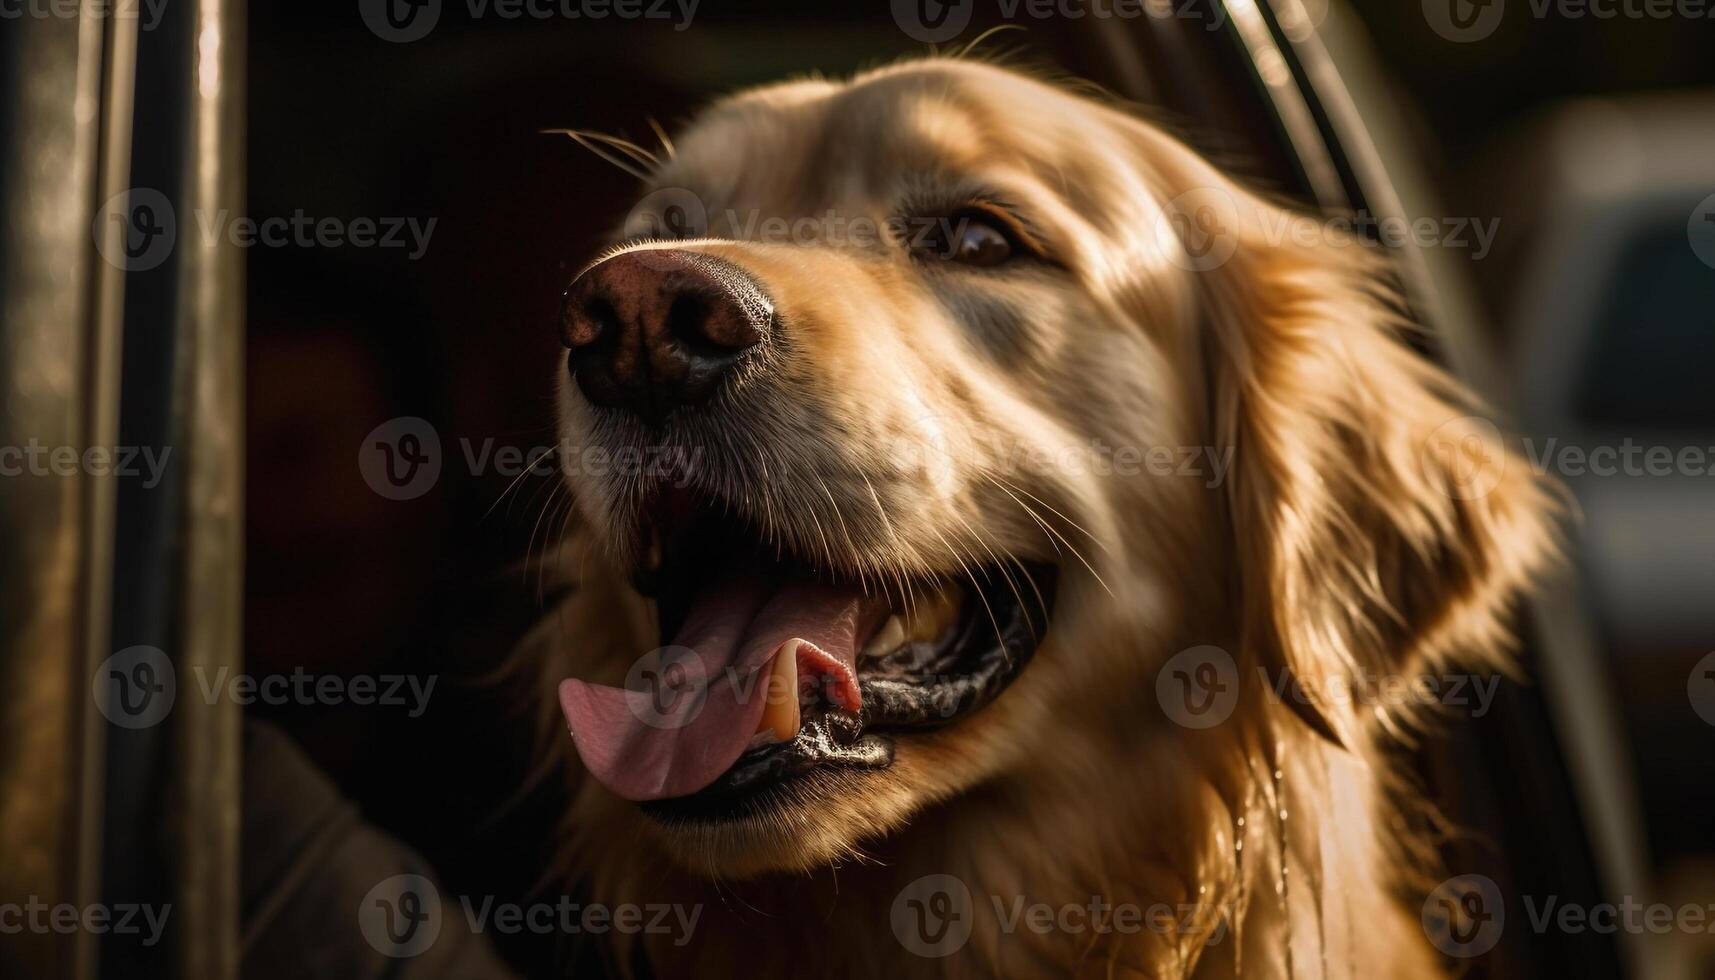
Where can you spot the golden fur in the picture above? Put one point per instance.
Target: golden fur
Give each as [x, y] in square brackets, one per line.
[1355, 537]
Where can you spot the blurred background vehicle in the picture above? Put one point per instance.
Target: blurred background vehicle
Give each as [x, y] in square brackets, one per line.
[1583, 146]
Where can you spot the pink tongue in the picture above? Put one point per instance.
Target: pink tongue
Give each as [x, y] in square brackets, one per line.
[689, 711]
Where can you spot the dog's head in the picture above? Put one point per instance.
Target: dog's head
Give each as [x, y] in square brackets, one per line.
[935, 410]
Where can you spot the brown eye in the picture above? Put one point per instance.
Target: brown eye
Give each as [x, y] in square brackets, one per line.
[976, 242]
[968, 238]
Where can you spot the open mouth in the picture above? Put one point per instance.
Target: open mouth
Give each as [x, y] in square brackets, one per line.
[774, 667]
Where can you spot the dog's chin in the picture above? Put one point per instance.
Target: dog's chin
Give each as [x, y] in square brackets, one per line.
[821, 819]
[834, 816]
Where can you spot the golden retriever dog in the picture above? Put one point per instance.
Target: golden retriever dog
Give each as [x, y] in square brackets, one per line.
[996, 535]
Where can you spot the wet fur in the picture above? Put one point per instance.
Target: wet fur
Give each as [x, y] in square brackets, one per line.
[1340, 545]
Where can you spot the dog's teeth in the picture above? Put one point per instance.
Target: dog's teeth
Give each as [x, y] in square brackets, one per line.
[890, 637]
[780, 690]
[930, 618]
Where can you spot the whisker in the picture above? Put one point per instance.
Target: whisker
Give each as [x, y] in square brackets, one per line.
[826, 550]
[596, 148]
[965, 51]
[1023, 570]
[1074, 524]
[1047, 531]
[908, 598]
[636, 152]
[550, 561]
[1069, 546]
[1007, 574]
[530, 545]
[845, 532]
[509, 488]
[976, 586]
[666, 141]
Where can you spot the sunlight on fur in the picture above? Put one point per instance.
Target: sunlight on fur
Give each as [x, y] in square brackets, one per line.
[1355, 535]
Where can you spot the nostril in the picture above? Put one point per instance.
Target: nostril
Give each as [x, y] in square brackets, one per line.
[688, 325]
[715, 327]
[593, 322]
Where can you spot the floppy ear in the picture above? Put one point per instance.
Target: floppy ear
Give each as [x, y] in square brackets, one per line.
[1382, 528]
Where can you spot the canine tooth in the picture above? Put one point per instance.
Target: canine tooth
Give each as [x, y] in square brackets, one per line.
[780, 690]
[887, 639]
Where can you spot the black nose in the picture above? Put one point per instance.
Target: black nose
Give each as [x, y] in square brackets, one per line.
[653, 329]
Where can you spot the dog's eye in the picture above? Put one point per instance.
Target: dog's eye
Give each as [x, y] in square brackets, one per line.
[979, 243]
[969, 238]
